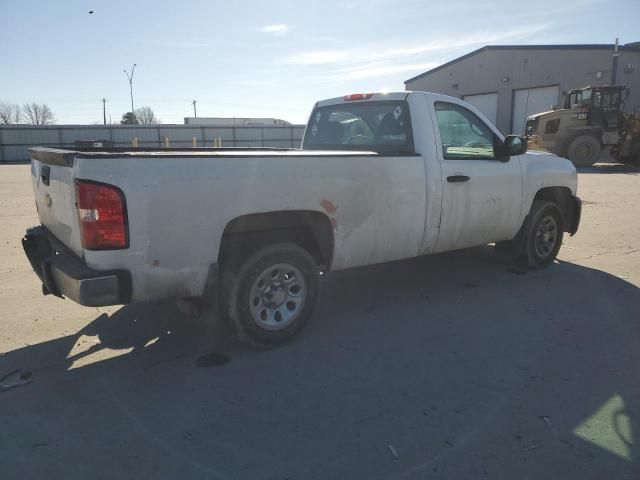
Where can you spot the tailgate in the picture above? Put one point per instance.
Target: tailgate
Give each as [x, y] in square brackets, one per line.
[54, 191]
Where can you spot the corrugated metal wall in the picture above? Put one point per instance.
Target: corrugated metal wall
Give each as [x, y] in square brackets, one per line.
[16, 139]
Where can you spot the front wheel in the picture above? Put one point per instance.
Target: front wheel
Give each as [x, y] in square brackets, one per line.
[634, 157]
[584, 151]
[543, 235]
[272, 294]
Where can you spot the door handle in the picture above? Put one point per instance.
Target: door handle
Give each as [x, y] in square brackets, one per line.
[457, 178]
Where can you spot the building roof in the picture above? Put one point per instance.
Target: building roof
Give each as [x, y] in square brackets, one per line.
[635, 46]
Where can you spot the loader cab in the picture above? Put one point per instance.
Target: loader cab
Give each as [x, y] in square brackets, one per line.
[601, 106]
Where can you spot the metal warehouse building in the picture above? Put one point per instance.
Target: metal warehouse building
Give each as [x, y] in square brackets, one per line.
[509, 82]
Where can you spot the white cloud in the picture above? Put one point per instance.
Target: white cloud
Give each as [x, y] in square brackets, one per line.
[256, 83]
[185, 44]
[316, 57]
[277, 29]
[478, 39]
[377, 53]
[376, 69]
[379, 61]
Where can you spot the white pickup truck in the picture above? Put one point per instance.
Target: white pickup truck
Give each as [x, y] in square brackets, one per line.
[379, 177]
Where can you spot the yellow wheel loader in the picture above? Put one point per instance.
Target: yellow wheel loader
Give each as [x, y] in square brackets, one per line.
[591, 119]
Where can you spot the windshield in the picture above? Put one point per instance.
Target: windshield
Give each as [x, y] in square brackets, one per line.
[368, 126]
[606, 99]
[584, 98]
[530, 126]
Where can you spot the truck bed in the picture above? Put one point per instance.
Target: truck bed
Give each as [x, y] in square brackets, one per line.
[179, 204]
[57, 156]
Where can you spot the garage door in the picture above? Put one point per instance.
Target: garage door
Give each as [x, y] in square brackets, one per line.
[529, 101]
[487, 103]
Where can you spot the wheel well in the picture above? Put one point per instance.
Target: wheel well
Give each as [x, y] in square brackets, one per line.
[560, 196]
[308, 229]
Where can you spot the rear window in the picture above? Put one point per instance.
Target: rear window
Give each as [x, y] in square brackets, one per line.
[383, 127]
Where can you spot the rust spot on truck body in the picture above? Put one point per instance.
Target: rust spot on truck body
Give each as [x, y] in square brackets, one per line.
[331, 210]
[329, 207]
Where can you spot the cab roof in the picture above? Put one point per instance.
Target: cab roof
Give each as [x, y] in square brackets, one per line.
[599, 87]
[362, 97]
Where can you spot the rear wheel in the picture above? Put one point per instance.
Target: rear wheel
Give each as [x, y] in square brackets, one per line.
[542, 235]
[272, 294]
[584, 151]
[635, 152]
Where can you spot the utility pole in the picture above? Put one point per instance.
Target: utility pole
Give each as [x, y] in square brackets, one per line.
[104, 110]
[195, 114]
[130, 78]
[614, 68]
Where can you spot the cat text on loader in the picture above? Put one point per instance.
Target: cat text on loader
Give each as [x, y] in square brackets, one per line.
[590, 120]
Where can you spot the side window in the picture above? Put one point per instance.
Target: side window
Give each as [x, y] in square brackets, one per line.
[575, 100]
[463, 135]
[597, 100]
[552, 126]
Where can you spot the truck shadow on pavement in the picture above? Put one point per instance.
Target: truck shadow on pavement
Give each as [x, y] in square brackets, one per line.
[448, 366]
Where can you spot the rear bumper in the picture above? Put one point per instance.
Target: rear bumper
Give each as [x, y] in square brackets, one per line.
[64, 274]
[575, 212]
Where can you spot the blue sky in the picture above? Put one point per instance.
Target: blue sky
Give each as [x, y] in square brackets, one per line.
[273, 59]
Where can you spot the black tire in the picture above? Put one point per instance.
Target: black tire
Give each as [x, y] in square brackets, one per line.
[541, 247]
[635, 152]
[240, 283]
[584, 150]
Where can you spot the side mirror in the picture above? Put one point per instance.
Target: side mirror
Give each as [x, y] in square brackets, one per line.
[514, 145]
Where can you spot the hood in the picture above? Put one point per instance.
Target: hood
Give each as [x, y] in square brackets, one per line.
[539, 154]
[560, 110]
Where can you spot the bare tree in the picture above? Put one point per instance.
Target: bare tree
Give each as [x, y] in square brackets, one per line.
[9, 113]
[37, 114]
[145, 116]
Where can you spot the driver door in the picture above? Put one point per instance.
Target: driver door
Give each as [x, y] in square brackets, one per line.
[482, 196]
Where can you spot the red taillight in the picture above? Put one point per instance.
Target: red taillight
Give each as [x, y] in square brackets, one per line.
[357, 96]
[102, 213]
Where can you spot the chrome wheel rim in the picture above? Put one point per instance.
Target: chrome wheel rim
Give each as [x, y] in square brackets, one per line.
[277, 296]
[546, 236]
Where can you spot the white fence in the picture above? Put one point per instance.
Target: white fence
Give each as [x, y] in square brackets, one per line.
[16, 139]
